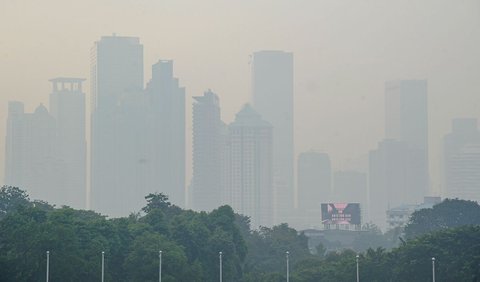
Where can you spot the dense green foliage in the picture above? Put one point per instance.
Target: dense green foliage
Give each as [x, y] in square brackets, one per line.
[457, 254]
[190, 242]
[447, 214]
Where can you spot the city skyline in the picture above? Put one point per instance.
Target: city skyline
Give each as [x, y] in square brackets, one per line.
[334, 82]
[157, 145]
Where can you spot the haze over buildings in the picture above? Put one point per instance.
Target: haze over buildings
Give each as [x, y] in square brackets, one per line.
[333, 98]
[250, 186]
[116, 139]
[462, 160]
[208, 153]
[272, 95]
[46, 152]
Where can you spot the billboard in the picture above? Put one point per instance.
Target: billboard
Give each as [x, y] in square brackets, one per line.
[341, 213]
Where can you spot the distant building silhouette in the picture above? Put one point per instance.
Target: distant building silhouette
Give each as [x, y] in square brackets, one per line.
[388, 180]
[67, 106]
[406, 119]
[31, 160]
[314, 174]
[462, 160]
[166, 101]
[350, 186]
[117, 163]
[208, 150]
[249, 165]
[398, 168]
[272, 86]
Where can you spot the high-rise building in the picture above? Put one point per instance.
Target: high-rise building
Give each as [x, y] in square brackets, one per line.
[349, 186]
[167, 128]
[398, 168]
[314, 179]
[207, 152]
[249, 187]
[67, 106]
[314, 174]
[390, 179]
[117, 162]
[116, 70]
[272, 84]
[462, 160]
[31, 159]
[406, 120]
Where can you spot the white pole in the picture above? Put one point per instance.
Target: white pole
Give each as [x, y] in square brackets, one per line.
[48, 264]
[358, 274]
[288, 267]
[103, 266]
[433, 269]
[220, 255]
[160, 266]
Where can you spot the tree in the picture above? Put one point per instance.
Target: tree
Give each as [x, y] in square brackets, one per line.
[449, 213]
[156, 201]
[11, 198]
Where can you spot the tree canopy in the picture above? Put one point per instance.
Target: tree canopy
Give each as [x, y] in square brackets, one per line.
[191, 241]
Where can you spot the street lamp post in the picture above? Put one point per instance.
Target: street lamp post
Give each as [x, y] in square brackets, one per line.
[220, 256]
[48, 265]
[358, 274]
[103, 266]
[288, 267]
[160, 266]
[433, 269]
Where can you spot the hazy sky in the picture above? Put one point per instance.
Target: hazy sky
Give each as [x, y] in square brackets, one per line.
[344, 51]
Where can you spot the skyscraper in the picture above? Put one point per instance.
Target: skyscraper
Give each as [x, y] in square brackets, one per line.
[31, 159]
[462, 160]
[249, 168]
[67, 106]
[272, 84]
[314, 174]
[350, 186]
[116, 87]
[390, 179]
[314, 180]
[207, 152]
[406, 120]
[166, 101]
[398, 168]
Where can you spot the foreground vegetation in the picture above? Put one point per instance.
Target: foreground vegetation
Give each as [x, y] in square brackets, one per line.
[190, 242]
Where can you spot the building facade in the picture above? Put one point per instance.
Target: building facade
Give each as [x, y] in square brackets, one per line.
[166, 107]
[208, 148]
[272, 83]
[406, 120]
[31, 159]
[249, 170]
[67, 106]
[462, 160]
[117, 168]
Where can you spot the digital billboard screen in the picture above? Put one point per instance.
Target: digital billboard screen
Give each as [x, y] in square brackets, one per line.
[341, 213]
